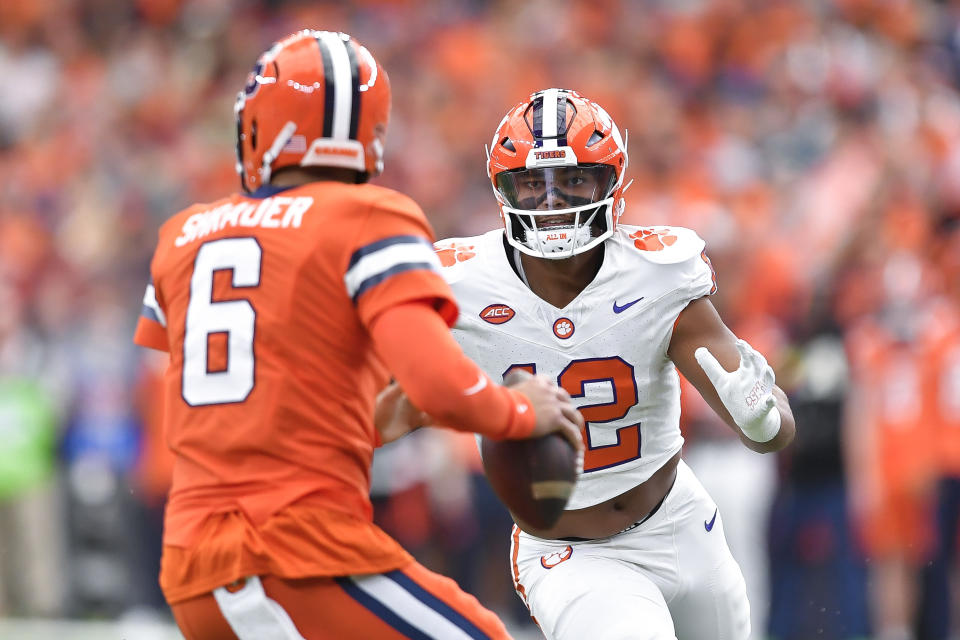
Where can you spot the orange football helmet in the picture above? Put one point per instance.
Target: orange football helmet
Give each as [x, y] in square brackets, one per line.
[315, 98]
[557, 163]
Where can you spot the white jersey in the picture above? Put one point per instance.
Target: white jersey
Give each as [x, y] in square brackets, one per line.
[607, 348]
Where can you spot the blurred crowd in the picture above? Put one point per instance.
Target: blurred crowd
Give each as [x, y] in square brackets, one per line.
[814, 144]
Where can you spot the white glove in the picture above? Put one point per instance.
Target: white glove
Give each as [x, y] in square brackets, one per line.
[747, 393]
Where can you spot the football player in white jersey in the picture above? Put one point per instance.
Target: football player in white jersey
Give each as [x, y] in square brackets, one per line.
[611, 312]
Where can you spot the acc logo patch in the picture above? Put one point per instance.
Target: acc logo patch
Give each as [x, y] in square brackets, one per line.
[450, 254]
[551, 560]
[497, 313]
[650, 239]
[563, 328]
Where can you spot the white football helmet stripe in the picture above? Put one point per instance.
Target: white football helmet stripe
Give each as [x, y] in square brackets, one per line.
[549, 118]
[342, 84]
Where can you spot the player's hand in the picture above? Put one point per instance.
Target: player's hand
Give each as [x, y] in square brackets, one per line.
[551, 404]
[747, 393]
[395, 416]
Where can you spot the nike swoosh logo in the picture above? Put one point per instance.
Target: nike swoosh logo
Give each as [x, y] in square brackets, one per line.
[619, 309]
[477, 388]
[709, 525]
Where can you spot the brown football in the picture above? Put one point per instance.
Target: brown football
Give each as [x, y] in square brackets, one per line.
[533, 478]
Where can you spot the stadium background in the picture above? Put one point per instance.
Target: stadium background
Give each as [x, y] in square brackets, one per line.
[815, 145]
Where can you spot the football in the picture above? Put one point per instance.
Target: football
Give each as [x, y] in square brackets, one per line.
[533, 478]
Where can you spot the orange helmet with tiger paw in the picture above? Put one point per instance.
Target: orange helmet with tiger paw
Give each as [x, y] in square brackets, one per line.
[314, 99]
[557, 163]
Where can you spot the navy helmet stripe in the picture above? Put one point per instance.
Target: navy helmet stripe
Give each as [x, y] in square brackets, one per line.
[328, 89]
[380, 610]
[538, 120]
[354, 89]
[562, 118]
[437, 605]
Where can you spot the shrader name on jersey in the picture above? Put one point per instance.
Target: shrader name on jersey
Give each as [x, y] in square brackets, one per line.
[276, 212]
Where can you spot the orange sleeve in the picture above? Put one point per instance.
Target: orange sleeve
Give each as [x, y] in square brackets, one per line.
[392, 261]
[414, 342]
[151, 334]
[152, 326]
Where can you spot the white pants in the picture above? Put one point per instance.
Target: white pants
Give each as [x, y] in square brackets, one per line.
[743, 482]
[668, 578]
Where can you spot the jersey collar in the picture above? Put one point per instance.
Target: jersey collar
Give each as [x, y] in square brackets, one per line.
[268, 190]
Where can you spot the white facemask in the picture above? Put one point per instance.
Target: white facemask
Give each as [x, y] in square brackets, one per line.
[562, 241]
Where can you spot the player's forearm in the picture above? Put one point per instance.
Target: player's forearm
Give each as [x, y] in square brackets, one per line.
[416, 346]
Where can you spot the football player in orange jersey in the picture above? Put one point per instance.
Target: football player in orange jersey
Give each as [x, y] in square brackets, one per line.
[891, 440]
[283, 309]
[941, 584]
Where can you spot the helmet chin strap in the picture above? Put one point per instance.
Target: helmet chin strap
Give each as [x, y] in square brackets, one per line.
[271, 154]
[520, 272]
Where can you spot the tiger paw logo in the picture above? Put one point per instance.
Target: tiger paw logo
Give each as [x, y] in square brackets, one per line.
[563, 328]
[650, 239]
[551, 560]
[450, 254]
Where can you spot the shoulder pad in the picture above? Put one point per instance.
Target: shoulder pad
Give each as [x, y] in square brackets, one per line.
[664, 245]
[452, 253]
[454, 250]
[391, 201]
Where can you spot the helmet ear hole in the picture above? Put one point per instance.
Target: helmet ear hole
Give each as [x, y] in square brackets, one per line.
[507, 144]
[253, 135]
[594, 138]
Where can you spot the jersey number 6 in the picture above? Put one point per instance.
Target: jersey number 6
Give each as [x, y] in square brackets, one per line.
[618, 374]
[207, 318]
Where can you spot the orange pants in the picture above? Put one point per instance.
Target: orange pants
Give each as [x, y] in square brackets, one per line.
[902, 525]
[412, 602]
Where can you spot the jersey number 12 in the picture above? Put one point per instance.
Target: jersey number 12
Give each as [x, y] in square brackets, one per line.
[618, 374]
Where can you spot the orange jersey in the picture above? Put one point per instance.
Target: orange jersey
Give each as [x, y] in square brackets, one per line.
[892, 377]
[896, 432]
[263, 303]
[943, 338]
